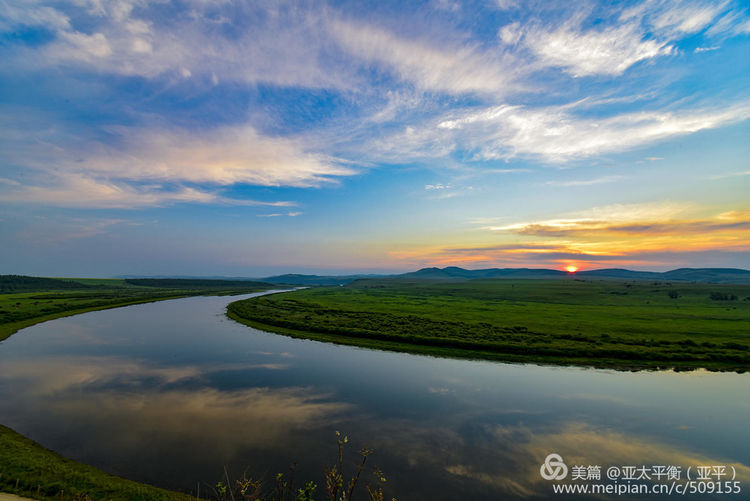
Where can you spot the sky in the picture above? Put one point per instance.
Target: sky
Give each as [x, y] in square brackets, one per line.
[252, 138]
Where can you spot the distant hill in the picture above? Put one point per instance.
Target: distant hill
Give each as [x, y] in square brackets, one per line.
[715, 275]
[704, 275]
[296, 279]
[707, 275]
[622, 273]
[454, 273]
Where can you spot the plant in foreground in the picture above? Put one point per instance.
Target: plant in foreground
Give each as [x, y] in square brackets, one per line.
[336, 487]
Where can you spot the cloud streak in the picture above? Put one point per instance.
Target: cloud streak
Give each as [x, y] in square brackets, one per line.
[616, 235]
[610, 51]
[131, 39]
[553, 134]
[457, 69]
[158, 166]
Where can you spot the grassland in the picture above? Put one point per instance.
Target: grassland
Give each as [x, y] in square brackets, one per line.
[602, 323]
[28, 469]
[25, 301]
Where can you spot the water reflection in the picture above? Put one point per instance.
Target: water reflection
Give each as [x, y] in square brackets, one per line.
[171, 392]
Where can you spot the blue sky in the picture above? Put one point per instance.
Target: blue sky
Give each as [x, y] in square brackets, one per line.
[250, 138]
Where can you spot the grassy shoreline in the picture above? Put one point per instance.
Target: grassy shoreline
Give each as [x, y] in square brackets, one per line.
[26, 301]
[521, 322]
[30, 470]
[7, 330]
[482, 355]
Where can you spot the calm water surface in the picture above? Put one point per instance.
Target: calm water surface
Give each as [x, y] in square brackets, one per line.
[171, 392]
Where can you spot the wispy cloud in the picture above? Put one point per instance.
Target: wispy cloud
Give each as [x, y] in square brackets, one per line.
[78, 190]
[285, 49]
[681, 17]
[554, 133]
[224, 156]
[731, 174]
[45, 231]
[609, 51]
[698, 50]
[586, 182]
[280, 214]
[645, 31]
[143, 166]
[453, 69]
[615, 214]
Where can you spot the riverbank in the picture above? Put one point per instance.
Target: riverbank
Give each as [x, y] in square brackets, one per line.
[8, 329]
[27, 469]
[40, 300]
[625, 325]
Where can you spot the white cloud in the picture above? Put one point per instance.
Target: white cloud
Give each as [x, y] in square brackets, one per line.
[743, 28]
[506, 4]
[284, 50]
[454, 69]
[731, 174]
[686, 17]
[291, 47]
[554, 134]
[511, 33]
[76, 45]
[607, 215]
[279, 214]
[31, 15]
[81, 191]
[609, 51]
[672, 19]
[156, 166]
[645, 31]
[586, 182]
[222, 156]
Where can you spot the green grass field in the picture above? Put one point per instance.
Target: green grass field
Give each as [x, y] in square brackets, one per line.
[28, 469]
[604, 323]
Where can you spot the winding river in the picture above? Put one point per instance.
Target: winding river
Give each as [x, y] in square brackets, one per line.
[173, 392]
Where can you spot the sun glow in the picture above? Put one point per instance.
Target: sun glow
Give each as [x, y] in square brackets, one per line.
[571, 268]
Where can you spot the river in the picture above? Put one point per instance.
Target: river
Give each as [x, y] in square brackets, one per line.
[173, 392]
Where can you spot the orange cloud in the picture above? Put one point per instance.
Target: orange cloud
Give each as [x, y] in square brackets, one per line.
[661, 234]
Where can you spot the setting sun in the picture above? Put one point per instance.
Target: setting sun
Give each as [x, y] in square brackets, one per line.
[571, 268]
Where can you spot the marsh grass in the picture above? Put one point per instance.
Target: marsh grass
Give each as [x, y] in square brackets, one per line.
[335, 483]
[602, 323]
